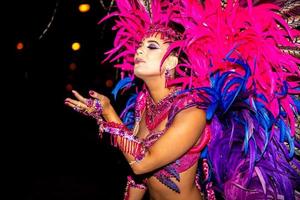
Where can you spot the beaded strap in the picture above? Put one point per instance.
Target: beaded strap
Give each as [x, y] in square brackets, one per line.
[94, 109]
[132, 183]
[123, 138]
[208, 187]
[96, 106]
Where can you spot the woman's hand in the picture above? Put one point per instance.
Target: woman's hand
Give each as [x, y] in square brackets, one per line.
[94, 107]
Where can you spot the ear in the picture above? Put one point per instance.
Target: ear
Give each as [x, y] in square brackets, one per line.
[171, 62]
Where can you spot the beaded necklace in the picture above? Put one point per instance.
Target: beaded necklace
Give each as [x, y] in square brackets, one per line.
[155, 113]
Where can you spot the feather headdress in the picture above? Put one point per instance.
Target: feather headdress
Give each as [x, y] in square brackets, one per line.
[135, 20]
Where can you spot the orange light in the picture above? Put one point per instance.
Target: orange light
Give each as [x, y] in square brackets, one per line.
[84, 7]
[69, 87]
[20, 45]
[72, 66]
[109, 83]
[76, 46]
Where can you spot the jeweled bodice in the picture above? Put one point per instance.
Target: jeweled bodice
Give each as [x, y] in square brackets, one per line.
[174, 103]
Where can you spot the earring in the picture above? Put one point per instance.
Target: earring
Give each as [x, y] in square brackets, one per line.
[167, 77]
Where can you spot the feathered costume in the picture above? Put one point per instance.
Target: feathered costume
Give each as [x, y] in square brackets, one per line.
[241, 58]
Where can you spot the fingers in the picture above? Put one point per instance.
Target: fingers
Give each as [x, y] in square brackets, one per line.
[75, 104]
[70, 104]
[96, 95]
[89, 107]
[78, 96]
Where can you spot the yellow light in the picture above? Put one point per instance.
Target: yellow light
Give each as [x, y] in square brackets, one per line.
[76, 46]
[20, 45]
[84, 7]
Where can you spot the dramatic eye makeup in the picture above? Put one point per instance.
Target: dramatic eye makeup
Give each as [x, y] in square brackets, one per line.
[152, 44]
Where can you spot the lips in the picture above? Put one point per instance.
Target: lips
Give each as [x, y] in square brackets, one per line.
[138, 60]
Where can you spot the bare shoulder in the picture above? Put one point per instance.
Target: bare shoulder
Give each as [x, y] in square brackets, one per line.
[191, 114]
[190, 120]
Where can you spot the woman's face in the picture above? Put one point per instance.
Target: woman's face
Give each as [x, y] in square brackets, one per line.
[149, 55]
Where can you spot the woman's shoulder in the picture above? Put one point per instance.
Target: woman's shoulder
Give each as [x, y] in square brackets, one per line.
[189, 99]
[187, 104]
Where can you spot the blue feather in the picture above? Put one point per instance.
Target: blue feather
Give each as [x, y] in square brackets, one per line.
[125, 82]
[246, 138]
[291, 143]
[211, 110]
[220, 82]
[262, 97]
[282, 129]
[204, 153]
[128, 113]
[284, 90]
[237, 80]
[214, 77]
[297, 103]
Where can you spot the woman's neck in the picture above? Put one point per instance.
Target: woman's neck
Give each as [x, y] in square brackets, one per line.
[157, 89]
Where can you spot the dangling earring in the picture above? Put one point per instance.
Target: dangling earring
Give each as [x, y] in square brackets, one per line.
[167, 77]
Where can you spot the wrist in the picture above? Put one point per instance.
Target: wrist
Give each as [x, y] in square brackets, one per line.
[110, 115]
[107, 111]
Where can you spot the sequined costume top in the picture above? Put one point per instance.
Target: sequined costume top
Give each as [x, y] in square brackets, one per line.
[170, 106]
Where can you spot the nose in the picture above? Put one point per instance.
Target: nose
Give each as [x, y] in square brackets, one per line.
[139, 51]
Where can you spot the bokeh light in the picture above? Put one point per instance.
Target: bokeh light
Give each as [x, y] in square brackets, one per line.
[109, 83]
[72, 66]
[69, 87]
[20, 46]
[76, 46]
[84, 7]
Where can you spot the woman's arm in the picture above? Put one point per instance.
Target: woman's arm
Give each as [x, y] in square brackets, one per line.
[133, 191]
[110, 115]
[183, 134]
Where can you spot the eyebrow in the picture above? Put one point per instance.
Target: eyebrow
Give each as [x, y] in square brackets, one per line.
[150, 41]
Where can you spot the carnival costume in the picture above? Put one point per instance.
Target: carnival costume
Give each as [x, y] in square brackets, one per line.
[234, 65]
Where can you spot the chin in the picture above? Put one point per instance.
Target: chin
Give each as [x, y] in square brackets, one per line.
[142, 72]
[139, 71]
[139, 75]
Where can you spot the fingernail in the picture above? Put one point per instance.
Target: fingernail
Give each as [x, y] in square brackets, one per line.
[91, 92]
[73, 91]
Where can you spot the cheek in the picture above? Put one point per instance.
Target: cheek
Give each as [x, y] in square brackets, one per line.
[147, 69]
[154, 62]
[151, 67]
[154, 65]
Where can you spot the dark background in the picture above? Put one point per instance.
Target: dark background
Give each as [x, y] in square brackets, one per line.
[57, 152]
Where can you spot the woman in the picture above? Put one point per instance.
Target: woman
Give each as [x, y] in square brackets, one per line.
[215, 61]
[184, 132]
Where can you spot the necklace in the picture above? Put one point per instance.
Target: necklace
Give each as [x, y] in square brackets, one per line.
[155, 113]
